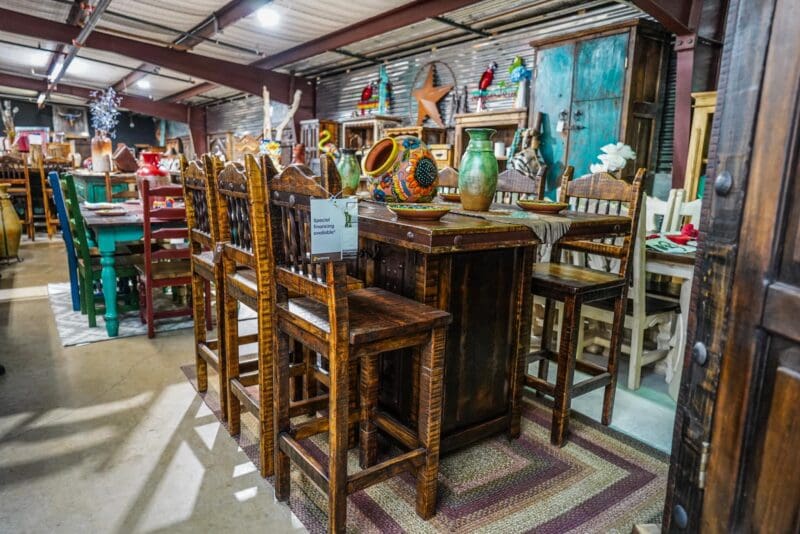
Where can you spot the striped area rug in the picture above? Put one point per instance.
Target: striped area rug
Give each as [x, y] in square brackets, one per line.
[601, 481]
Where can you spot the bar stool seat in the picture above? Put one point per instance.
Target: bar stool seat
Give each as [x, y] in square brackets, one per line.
[572, 279]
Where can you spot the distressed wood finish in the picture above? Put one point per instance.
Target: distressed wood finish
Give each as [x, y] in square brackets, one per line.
[347, 328]
[576, 285]
[164, 266]
[741, 377]
[126, 186]
[247, 266]
[513, 185]
[14, 172]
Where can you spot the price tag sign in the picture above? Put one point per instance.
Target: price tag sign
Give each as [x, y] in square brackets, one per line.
[334, 228]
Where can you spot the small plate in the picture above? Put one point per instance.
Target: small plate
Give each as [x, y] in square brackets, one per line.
[134, 201]
[96, 206]
[542, 206]
[420, 212]
[116, 212]
[450, 197]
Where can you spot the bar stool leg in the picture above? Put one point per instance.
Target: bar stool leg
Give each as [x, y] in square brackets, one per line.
[547, 339]
[338, 437]
[200, 332]
[266, 446]
[566, 370]
[368, 450]
[613, 357]
[207, 297]
[309, 382]
[231, 319]
[430, 420]
[281, 402]
[222, 343]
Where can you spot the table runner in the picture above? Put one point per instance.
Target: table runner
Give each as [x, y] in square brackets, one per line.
[548, 228]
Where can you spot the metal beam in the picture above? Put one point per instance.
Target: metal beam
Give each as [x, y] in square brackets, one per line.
[391, 20]
[228, 14]
[145, 106]
[186, 94]
[73, 19]
[674, 15]
[241, 77]
[454, 24]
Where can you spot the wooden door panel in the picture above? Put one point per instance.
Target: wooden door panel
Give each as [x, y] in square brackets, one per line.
[552, 90]
[600, 68]
[597, 126]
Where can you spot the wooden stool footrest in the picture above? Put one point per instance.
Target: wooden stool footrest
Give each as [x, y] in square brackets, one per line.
[591, 384]
[370, 476]
[320, 402]
[206, 352]
[540, 355]
[540, 385]
[396, 429]
[318, 425]
[302, 459]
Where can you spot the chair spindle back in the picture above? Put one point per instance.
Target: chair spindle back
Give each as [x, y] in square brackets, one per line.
[512, 185]
[162, 224]
[200, 197]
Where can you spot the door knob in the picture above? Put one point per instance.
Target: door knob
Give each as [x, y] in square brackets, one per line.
[578, 114]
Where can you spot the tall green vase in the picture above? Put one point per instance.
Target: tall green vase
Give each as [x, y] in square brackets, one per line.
[349, 170]
[477, 173]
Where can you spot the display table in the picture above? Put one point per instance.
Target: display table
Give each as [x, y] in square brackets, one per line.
[91, 185]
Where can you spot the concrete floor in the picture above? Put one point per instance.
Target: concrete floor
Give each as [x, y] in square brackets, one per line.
[111, 437]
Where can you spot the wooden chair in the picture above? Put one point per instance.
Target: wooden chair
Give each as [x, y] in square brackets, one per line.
[130, 192]
[165, 264]
[685, 212]
[448, 180]
[202, 213]
[15, 173]
[643, 311]
[574, 286]
[46, 166]
[66, 235]
[512, 185]
[346, 328]
[88, 260]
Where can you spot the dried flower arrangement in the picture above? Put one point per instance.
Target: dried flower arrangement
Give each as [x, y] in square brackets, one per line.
[104, 108]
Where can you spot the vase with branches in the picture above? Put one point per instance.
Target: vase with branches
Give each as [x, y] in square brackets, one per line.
[104, 109]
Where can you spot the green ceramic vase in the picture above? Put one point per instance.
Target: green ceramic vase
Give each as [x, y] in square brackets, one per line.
[349, 170]
[477, 175]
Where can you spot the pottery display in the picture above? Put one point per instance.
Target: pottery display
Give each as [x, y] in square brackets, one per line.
[10, 226]
[477, 175]
[401, 169]
[101, 152]
[542, 206]
[349, 171]
[420, 212]
[150, 171]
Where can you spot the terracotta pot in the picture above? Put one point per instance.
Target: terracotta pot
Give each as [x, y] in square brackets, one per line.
[401, 169]
[10, 225]
[150, 171]
[101, 152]
[477, 173]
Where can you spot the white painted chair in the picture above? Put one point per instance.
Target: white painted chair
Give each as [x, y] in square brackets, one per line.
[643, 312]
[684, 211]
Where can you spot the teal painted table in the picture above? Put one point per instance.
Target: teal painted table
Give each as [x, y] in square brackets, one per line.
[91, 185]
[108, 232]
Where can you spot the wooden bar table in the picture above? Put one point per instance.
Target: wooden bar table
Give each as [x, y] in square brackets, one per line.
[479, 271]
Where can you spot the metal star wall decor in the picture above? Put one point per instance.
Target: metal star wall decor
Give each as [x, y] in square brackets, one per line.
[428, 98]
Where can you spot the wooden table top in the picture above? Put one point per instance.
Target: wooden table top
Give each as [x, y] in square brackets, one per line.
[133, 217]
[685, 258]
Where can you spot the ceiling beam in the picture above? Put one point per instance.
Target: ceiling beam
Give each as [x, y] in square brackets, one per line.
[74, 16]
[240, 77]
[674, 15]
[228, 14]
[379, 24]
[186, 94]
[145, 106]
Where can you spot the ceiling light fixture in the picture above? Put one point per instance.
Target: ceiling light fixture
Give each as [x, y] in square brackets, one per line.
[144, 83]
[268, 17]
[40, 100]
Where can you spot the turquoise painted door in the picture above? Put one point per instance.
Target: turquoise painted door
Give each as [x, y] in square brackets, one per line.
[599, 84]
[552, 93]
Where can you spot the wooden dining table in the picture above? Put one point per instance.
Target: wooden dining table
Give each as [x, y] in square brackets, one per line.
[476, 269]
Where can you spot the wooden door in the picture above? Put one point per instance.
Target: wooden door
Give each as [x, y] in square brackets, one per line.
[597, 94]
[552, 90]
[736, 461]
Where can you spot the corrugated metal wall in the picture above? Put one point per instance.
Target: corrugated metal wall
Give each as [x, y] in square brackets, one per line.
[666, 136]
[338, 95]
[242, 116]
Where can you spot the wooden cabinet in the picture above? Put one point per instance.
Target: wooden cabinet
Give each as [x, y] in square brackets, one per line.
[506, 122]
[429, 136]
[363, 132]
[310, 130]
[703, 114]
[599, 88]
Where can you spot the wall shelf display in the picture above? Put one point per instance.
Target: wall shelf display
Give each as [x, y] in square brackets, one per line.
[704, 106]
[506, 122]
[429, 136]
[361, 133]
[600, 87]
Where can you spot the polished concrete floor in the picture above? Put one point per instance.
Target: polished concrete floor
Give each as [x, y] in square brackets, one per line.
[111, 437]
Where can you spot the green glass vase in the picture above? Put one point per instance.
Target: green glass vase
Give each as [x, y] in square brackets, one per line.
[349, 170]
[477, 175]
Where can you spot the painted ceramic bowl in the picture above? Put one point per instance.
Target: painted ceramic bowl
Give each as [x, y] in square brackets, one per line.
[450, 197]
[542, 206]
[421, 212]
[401, 169]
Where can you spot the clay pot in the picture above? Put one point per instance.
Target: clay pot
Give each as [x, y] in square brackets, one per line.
[477, 173]
[10, 225]
[401, 169]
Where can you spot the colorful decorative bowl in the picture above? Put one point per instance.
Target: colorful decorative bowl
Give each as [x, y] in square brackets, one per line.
[450, 197]
[401, 169]
[420, 212]
[542, 206]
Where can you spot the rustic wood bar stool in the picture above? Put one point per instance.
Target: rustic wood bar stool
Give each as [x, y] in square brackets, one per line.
[575, 285]
[200, 195]
[14, 172]
[345, 327]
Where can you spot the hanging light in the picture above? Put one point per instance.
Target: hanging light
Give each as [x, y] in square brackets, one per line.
[268, 17]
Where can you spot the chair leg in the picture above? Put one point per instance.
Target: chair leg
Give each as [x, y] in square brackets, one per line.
[149, 312]
[281, 401]
[309, 382]
[200, 332]
[338, 407]
[431, 394]
[266, 380]
[547, 336]
[352, 404]
[617, 328]
[566, 370]
[29, 214]
[231, 320]
[368, 444]
[88, 292]
[222, 342]
[207, 296]
[637, 350]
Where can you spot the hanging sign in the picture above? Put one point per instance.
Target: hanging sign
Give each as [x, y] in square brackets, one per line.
[334, 229]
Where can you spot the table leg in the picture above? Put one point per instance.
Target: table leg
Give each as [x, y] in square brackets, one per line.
[107, 248]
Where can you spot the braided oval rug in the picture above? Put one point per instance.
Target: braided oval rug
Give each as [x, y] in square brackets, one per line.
[601, 481]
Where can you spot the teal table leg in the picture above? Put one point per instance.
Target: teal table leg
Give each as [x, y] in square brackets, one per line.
[107, 245]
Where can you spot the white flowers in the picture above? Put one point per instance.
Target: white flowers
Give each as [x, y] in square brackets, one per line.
[615, 156]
